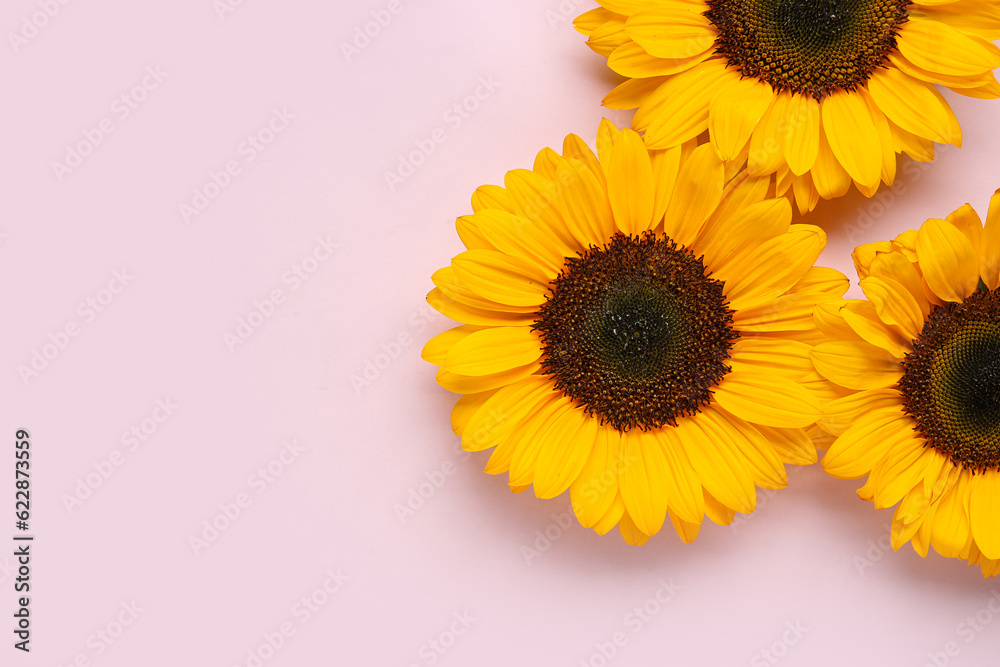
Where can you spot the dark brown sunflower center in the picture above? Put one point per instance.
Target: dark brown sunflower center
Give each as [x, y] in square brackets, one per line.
[810, 47]
[951, 381]
[636, 332]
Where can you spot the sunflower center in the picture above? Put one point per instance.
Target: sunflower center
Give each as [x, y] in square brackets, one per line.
[636, 332]
[809, 47]
[951, 381]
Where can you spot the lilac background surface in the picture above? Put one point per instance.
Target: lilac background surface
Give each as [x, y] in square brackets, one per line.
[320, 550]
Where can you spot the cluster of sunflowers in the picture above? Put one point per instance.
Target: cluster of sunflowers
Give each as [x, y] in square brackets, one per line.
[645, 327]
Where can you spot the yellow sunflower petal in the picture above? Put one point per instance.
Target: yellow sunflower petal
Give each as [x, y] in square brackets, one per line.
[856, 365]
[677, 111]
[695, 195]
[861, 446]
[896, 267]
[501, 278]
[683, 484]
[984, 508]
[611, 517]
[802, 138]
[884, 132]
[630, 184]
[948, 260]
[839, 414]
[644, 485]
[793, 445]
[970, 16]
[502, 412]
[537, 431]
[464, 313]
[853, 138]
[718, 512]
[951, 528]
[632, 60]
[767, 144]
[490, 196]
[686, 530]
[753, 442]
[788, 358]
[674, 33]
[938, 47]
[493, 350]
[583, 204]
[900, 470]
[915, 106]
[728, 242]
[436, 349]
[916, 147]
[806, 194]
[894, 304]
[595, 488]
[632, 93]
[608, 35]
[767, 400]
[721, 473]
[966, 220]
[735, 112]
[666, 166]
[565, 453]
[465, 384]
[575, 148]
[520, 237]
[465, 407]
[829, 176]
[989, 263]
[778, 264]
[630, 532]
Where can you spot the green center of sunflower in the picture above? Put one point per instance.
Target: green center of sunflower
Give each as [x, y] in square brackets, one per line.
[810, 47]
[951, 381]
[636, 332]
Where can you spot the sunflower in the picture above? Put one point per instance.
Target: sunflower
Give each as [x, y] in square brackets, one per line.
[920, 364]
[636, 330]
[820, 93]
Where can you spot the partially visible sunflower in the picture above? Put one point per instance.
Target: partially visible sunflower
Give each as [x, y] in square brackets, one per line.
[818, 92]
[921, 358]
[637, 330]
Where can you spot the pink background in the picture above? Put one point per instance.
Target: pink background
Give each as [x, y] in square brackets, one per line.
[452, 583]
